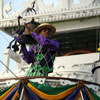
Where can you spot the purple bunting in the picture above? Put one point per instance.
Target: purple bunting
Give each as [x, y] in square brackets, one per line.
[73, 95]
[11, 94]
[30, 94]
[85, 94]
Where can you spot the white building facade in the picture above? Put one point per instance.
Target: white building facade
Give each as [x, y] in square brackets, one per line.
[68, 17]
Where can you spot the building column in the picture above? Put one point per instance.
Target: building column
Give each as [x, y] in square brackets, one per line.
[96, 72]
[1, 9]
[6, 60]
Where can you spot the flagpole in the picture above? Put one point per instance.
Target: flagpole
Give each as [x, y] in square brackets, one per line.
[21, 97]
[81, 95]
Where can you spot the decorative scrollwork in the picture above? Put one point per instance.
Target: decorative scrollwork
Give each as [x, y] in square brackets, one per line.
[31, 9]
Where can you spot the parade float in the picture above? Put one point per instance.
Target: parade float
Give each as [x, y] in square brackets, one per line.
[76, 67]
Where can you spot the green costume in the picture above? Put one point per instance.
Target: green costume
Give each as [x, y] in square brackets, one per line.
[41, 56]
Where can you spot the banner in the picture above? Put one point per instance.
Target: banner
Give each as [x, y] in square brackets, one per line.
[36, 91]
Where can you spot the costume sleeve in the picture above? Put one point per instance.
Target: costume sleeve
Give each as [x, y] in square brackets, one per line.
[50, 44]
[28, 56]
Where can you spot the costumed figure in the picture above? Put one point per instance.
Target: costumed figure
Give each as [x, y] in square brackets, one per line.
[42, 54]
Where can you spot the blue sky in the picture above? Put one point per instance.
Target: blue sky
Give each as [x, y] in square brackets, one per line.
[4, 38]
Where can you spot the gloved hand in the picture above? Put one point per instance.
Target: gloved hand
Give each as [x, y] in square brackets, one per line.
[18, 38]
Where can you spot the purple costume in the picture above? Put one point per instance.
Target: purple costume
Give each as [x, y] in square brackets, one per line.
[41, 56]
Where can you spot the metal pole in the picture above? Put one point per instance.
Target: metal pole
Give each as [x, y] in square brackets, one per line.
[81, 95]
[8, 68]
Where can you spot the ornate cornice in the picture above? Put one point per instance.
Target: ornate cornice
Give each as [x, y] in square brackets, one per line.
[51, 14]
